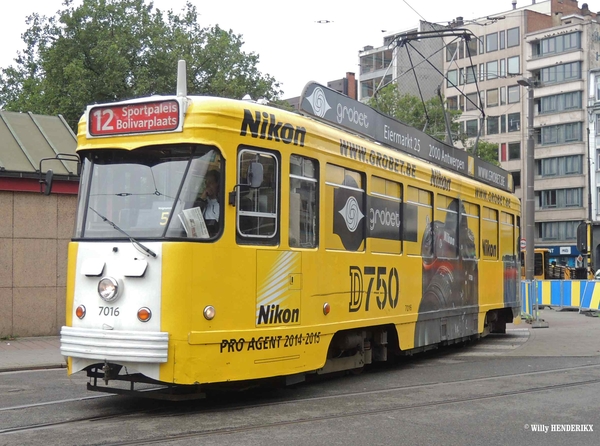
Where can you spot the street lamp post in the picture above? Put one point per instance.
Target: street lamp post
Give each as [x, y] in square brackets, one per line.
[529, 175]
[529, 204]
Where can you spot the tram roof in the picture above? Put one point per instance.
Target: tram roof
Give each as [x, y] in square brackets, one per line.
[401, 138]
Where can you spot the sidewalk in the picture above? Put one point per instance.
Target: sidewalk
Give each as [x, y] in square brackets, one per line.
[570, 333]
[31, 353]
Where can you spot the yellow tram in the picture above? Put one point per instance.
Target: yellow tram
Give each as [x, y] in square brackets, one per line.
[322, 246]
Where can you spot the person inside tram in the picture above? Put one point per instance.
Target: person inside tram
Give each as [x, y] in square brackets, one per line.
[209, 201]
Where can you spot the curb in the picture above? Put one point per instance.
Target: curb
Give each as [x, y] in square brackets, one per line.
[31, 368]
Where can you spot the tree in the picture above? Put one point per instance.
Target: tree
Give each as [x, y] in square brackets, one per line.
[487, 151]
[411, 111]
[110, 50]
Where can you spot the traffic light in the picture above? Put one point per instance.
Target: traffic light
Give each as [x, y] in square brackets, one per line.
[582, 237]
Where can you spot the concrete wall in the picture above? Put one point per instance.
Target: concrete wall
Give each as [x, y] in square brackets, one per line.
[34, 234]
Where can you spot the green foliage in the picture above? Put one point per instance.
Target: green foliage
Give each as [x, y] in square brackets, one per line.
[410, 110]
[111, 50]
[487, 151]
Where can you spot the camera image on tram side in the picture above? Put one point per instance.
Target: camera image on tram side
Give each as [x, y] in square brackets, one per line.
[450, 274]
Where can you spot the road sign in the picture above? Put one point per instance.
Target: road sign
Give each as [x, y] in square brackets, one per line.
[523, 244]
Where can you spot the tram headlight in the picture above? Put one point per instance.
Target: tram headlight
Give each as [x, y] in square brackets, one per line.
[209, 312]
[108, 289]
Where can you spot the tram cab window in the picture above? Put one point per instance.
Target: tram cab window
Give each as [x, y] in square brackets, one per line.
[304, 208]
[150, 192]
[257, 196]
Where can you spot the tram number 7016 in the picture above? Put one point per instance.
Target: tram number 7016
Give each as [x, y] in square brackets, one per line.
[108, 311]
[378, 282]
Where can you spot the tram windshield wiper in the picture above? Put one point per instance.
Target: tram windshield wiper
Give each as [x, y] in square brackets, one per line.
[133, 241]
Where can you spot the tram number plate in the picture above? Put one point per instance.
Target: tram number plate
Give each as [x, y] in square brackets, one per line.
[108, 311]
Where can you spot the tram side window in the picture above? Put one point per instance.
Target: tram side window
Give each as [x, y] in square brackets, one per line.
[507, 236]
[489, 234]
[304, 207]
[384, 216]
[445, 227]
[344, 219]
[417, 218]
[257, 195]
[469, 232]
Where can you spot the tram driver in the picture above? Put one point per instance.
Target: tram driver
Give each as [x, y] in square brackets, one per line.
[209, 201]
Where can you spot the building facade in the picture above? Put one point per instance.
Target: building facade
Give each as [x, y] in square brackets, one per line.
[416, 68]
[36, 228]
[561, 60]
[551, 45]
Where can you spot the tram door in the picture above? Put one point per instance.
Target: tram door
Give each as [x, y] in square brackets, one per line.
[278, 288]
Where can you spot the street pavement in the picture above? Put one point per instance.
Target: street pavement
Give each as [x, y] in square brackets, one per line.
[569, 333]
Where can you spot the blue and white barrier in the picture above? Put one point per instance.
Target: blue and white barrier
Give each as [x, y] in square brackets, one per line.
[581, 294]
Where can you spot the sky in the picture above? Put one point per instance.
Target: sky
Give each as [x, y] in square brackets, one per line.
[297, 42]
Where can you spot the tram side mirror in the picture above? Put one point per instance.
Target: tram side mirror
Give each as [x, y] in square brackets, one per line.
[47, 182]
[255, 175]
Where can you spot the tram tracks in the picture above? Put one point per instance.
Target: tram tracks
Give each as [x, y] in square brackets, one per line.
[212, 408]
[357, 413]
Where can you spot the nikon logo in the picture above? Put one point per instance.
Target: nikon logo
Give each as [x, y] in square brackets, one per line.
[489, 249]
[265, 126]
[272, 314]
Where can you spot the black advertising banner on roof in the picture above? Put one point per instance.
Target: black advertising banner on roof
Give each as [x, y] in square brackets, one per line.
[337, 109]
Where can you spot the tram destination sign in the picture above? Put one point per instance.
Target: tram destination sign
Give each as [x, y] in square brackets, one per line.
[340, 110]
[134, 117]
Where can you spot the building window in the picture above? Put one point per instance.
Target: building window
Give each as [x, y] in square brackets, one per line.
[452, 78]
[450, 51]
[514, 151]
[480, 40]
[557, 44]
[560, 102]
[572, 165]
[502, 123]
[549, 167]
[562, 198]
[514, 94]
[502, 95]
[573, 197]
[516, 178]
[513, 65]
[492, 69]
[370, 86]
[471, 128]
[556, 134]
[514, 122]
[562, 165]
[492, 125]
[471, 74]
[512, 37]
[502, 39]
[472, 47]
[502, 68]
[481, 72]
[548, 199]
[492, 97]
[491, 42]
[472, 103]
[561, 73]
[452, 103]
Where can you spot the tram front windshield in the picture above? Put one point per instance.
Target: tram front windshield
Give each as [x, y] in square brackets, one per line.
[152, 192]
